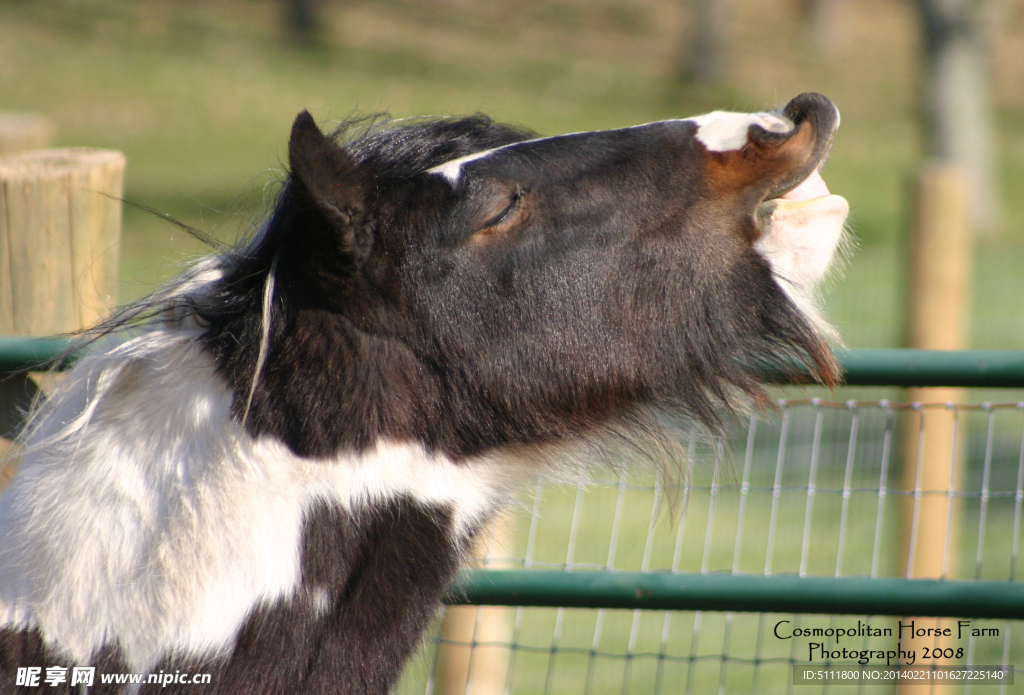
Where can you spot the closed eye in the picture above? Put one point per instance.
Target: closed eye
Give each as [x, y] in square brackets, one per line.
[506, 213]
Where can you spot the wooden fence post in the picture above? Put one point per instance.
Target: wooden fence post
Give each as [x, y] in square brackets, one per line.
[60, 232]
[939, 301]
[473, 656]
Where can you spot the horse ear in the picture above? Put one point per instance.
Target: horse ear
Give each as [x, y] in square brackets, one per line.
[328, 184]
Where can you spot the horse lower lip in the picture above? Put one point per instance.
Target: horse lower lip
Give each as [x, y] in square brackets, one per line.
[819, 205]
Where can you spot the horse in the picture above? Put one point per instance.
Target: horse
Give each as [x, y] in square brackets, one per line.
[269, 471]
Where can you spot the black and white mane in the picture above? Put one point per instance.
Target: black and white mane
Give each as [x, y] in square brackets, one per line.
[274, 479]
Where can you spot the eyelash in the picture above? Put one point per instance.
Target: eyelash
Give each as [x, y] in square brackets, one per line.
[509, 209]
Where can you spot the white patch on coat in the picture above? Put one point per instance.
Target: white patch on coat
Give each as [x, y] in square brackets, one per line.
[142, 516]
[723, 131]
[799, 241]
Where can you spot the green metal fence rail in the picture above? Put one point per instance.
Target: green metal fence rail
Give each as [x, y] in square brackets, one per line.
[863, 367]
[741, 593]
[906, 367]
[18, 353]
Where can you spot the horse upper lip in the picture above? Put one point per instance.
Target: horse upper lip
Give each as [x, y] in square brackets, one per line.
[810, 188]
[824, 117]
[812, 178]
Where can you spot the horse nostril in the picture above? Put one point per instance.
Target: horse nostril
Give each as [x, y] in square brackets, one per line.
[776, 123]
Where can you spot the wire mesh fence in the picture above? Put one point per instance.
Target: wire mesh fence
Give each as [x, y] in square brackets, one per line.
[829, 489]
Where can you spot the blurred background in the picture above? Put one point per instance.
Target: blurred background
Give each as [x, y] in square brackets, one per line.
[200, 97]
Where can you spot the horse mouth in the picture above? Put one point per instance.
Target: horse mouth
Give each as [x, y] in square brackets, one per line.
[811, 197]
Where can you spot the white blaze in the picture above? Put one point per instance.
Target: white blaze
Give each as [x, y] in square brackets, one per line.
[718, 131]
[452, 170]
